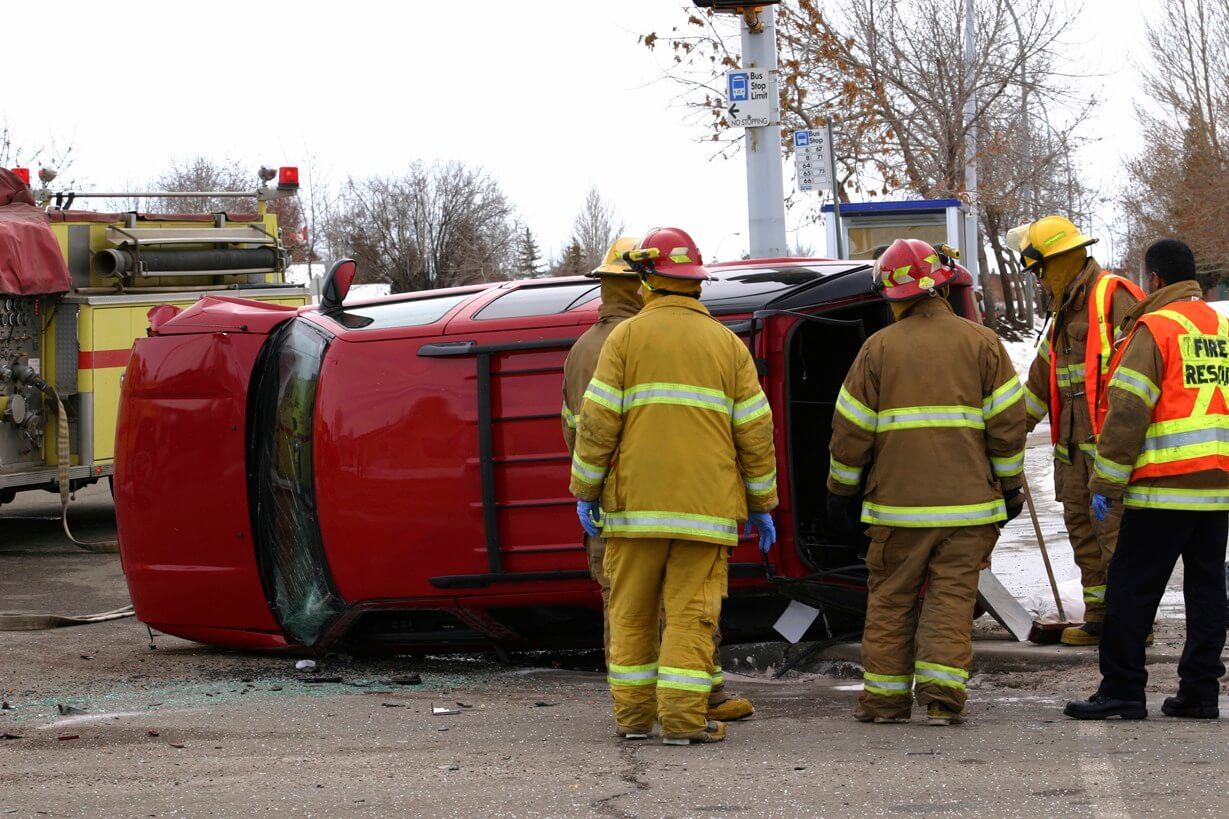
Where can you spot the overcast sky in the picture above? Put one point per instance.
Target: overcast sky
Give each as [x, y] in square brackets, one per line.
[550, 97]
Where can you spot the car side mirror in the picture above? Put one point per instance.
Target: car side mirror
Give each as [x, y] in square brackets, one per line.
[337, 284]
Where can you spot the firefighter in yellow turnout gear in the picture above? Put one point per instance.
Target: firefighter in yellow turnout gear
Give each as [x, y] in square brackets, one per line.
[1065, 381]
[621, 299]
[675, 438]
[933, 402]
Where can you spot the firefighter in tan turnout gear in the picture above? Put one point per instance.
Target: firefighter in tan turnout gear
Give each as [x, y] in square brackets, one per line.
[1066, 380]
[933, 403]
[621, 299]
[675, 438]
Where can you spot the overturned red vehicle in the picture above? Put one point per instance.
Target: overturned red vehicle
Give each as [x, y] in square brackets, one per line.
[391, 475]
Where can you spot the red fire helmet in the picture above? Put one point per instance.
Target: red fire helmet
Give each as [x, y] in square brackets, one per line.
[668, 252]
[910, 268]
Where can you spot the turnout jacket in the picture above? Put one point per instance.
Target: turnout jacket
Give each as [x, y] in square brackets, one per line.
[1067, 341]
[676, 395]
[582, 361]
[1143, 435]
[933, 402]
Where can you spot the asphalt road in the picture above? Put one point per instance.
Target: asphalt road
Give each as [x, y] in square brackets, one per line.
[184, 730]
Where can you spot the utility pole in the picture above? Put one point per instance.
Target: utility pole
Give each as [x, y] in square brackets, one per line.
[765, 190]
[971, 254]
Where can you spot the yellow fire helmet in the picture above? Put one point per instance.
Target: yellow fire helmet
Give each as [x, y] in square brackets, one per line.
[1051, 236]
[613, 264]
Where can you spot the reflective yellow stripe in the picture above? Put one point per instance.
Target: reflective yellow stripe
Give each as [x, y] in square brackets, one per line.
[1094, 594]
[947, 675]
[1071, 374]
[685, 679]
[1061, 454]
[843, 473]
[718, 678]
[1043, 349]
[604, 395]
[1002, 398]
[888, 685]
[1184, 439]
[1009, 465]
[569, 418]
[972, 514]
[586, 472]
[632, 675]
[1035, 406]
[930, 417]
[684, 395]
[1191, 500]
[855, 411]
[763, 485]
[1111, 471]
[724, 530]
[1137, 384]
[754, 407]
[1104, 336]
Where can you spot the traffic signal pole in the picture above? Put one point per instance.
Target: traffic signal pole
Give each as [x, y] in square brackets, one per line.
[765, 190]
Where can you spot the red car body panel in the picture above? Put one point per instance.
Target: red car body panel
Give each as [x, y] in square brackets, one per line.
[433, 509]
[187, 541]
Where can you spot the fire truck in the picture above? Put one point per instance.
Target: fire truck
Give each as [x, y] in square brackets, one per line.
[75, 288]
[391, 474]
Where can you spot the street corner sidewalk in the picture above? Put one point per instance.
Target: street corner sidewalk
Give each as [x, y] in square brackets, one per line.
[994, 652]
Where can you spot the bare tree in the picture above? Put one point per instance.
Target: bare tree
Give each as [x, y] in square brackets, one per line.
[1177, 184]
[435, 226]
[200, 173]
[892, 77]
[595, 228]
[15, 155]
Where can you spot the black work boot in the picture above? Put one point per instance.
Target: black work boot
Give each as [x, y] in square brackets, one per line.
[1181, 706]
[1099, 706]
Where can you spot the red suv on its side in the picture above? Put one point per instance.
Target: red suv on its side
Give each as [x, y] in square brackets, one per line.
[392, 474]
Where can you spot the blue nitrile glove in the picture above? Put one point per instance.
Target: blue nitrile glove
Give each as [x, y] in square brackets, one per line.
[590, 516]
[1100, 506]
[767, 530]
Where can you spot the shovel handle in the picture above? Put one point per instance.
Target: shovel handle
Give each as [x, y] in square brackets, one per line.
[1045, 555]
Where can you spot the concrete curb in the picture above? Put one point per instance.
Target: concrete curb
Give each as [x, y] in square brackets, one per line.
[990, 656]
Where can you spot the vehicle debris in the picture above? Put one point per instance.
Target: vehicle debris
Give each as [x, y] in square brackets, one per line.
[10, 736]
[151, 733]
[544, 704]
[441, 711]
[320, 679]
[305, 665]
[67, 710]
[407, 679]
[64, 737]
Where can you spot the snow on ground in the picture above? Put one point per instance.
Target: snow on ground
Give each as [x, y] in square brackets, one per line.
[310, 275]
[1017, 559]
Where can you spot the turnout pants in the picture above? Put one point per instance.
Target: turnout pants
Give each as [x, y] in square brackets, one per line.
[1148, 548]
[913, 647]
[595, 548]
[670, 684]
[1092, 541]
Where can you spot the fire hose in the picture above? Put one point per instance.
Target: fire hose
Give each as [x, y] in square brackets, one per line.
[19, 621]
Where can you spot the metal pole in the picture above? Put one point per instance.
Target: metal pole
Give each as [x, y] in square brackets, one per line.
[836, 194]
[765, 189]
[970, 170]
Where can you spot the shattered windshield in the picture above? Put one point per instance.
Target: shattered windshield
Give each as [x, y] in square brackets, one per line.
[282, 483]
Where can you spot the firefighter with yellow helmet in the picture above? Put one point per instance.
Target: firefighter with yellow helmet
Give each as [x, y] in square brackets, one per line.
[1066, 380]
[674, 437]
[933, 403]
[621, 299]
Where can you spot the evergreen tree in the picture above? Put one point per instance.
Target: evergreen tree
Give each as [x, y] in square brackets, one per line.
[529, 260]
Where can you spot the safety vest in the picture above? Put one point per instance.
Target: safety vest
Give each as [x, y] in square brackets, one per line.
[1190, 419]
[1098, 348]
